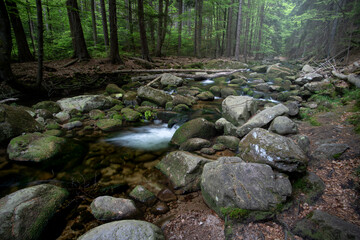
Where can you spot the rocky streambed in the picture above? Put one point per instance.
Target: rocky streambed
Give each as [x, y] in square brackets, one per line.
[101, 166]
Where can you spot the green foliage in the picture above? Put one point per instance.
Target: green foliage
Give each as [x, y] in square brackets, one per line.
[149, 115]
[234, 213]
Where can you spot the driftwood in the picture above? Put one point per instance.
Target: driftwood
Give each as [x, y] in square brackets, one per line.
[177, 70]
[183, 75]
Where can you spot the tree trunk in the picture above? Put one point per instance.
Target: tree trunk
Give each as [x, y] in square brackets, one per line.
[258, 46]
[198, 26]
[180, 27]
[6, 46]
[21, 41]
[93, 21]
[152, 30]
[165, 22]
[40, 24]
[104, 23]
[80, 50]
[247, 25]
[238, 32]
[31, 26]
[144, 44]
[114, 44]
[128, 5]
[229, 31]
[160, 29]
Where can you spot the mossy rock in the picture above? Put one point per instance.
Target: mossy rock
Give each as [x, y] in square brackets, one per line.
[130, 115]
[143, 195]
[51, 106]
[108, 125]
[181, 108]
[113, 88]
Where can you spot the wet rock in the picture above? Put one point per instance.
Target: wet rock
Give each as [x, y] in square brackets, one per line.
[239, 81]
[151, 94]
[262, 119]
[85, 103]
[238, 109]
[96, 114]
[143, 195]
[159, 208]
[130, 99]
[45, 114]
[71, 125]
[125, 229]
[179, 99]
[50, 106]
[230, 142]
[226, 91]
[181, 108]
[219, 147]
[205, 96]
[307, 69]
[259, 69]
[249, 186]
[130, 115]
[166, 195]
[283, 125]
[106, 208]
[263, 87]
[208, 151]
[319, 225]
[113, 89]
[281, 153]
[25, 214]
[16, 121]
[183, 169]
[194, 144]
[62, 116]
[216, 91]
[196, 128]
[330, 151]
[185, 91]
[313, 77]
[169, 79]
[54, 132]
[109, 125]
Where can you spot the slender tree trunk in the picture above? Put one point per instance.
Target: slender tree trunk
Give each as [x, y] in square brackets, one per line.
[21, 41]
[93, 21]
[251, 35]
[104, 23]
[160, 29]
[144, 44]
[80, 50]
[238, 32]
[180, 26]
[5, 46]
[165, 22]
[198, 26]
[31, 27]
[229, 35]
[48, 17]
[131, 27]
[258, 46]
[114, 44]
[223, 35]
[247, 25]
[40, 27]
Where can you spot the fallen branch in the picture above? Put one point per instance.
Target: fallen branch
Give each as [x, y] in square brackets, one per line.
[9, 100]
[149, 84]
[70, 63]
[176, 70]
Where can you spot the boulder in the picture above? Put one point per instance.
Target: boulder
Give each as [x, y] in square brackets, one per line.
[313, 77]
[168, 79]
[141, 194]
[71, 125]
[124, 230]
[96, 114]
[51, 106]
[15, 121]
[319, 86]
[277, 71]
[238, 109]
[330, 151]
[130, 115]
[293, 107]
[354, 79]
[109, 125]
[283, 125]
[179, 99]
[259, 69]
[113, 89]
[62, 116]
[194, 144]
[227, 127]
[319, 225]
[227, 91]
[154, 95]
[199, 127]
[25, 214]
[130, 98]
[230, 142]
[281, 153]
[307, 69]
[85, 103]
[303, 142]
[106, 208]
[205, 96]
[183, 169]
[262, 119]
[231, 183]
[216, 91]
[181, 108]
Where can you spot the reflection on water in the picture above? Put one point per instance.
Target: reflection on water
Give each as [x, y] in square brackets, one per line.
[151, 138]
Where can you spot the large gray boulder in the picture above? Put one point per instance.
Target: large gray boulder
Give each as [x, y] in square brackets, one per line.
[230, 182]
[227, 127]
[85, 103]
[16, 121]
[319, 86]
[319, 225]
[124, 230]
[196, 128]
[154, 95]
[329, 151]
[310, 77]
[238, 109]
[169, 79]
[307, 69]
[179, 99]
[277, 71]
[281, 153]
[283, 125]
[183, 169]
[108, 208]
[262, 119]
[194, 144]
[25, 214]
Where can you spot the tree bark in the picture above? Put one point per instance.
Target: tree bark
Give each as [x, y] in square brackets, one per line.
[104, 23]
[31, 26]
[160, 29]
[40, 29]
[21, 41]
[258, 46]
[229, 31]
[93, 21]
[198, 26]
[114, 44]
[238, 32]
[144, 43]
[80, 50]
[180, 27]
[247, 25]
[6, 46]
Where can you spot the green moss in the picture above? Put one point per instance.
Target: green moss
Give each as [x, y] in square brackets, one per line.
[235, 213]
[314, 122]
